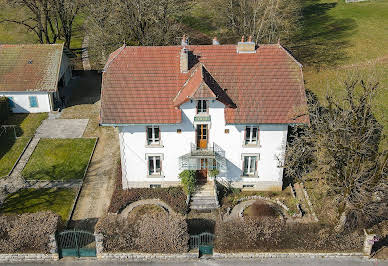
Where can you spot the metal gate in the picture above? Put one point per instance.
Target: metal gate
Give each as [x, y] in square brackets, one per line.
[204, 242]
[76, 243]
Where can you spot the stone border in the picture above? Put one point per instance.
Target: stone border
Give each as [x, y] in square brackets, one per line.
[247, 255]
[298, 207]
[126, 211]
[147, 256]
[13, 167]
[82, 184]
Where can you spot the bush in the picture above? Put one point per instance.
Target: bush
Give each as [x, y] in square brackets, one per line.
[4, 109]
[142, 235]
[27, 232]
[188, 179]
[173, 196]
[273, 235]
[214, 172]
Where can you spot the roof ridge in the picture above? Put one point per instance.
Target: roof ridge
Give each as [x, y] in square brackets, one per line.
[114, 57]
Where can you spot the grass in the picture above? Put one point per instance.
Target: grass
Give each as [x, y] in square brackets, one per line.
[59, 159]
[58, 200]
[11, 148]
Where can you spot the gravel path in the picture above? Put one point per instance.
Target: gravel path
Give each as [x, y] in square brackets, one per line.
[99, 181]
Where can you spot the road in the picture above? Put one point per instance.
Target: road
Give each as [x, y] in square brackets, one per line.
[353, 261]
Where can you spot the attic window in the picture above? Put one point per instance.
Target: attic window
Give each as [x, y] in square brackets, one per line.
[179, 131]
[29, 62]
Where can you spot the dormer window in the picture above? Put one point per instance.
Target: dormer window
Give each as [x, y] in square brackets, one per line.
[201, 106]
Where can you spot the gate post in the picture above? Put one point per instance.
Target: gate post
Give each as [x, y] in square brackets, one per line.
[53, 246]
[99, 244]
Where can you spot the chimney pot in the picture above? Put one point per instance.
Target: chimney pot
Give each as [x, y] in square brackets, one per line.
[184, 40]
[215, 41]
[242, 38]
[250, 38]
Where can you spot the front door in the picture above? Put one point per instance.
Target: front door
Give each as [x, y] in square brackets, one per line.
[202, 136]
[202, 173]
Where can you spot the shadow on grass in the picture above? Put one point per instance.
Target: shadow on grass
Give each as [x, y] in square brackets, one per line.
[200, 225]
[323, 38]
[57, 172]
[34, 200]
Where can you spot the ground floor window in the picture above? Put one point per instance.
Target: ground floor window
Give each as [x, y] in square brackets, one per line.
[250, 165]
[154, 165]
[33, 101]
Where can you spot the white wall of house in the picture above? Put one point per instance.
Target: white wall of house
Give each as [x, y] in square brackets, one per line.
[134, 150]
[22, 102]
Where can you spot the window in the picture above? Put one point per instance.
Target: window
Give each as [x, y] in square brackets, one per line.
[179, 131]
[11, 102]
[248, 186]
[153, 135]
[226, 131]
[251, 135]
[250, 165]
[154, 165]
[33, 101]
[201, 106]
[155, 186]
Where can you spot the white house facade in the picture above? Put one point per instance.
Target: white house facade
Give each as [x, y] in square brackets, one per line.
[204, 115]
[32, 77]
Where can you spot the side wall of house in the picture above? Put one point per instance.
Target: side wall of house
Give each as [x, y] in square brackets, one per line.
[65, 70]
[22, 102]
[134, 151]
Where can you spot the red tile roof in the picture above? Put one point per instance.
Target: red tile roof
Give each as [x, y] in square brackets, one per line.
[143, 85]
[30, 67]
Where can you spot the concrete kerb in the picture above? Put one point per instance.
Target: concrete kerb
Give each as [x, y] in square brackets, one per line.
[247, 255]
[306, 195]
[138, 203]
[80, 187]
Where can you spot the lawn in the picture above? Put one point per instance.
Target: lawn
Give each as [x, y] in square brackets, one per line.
[342, 41]
[11, 148]
[59, 159]
[58, 200]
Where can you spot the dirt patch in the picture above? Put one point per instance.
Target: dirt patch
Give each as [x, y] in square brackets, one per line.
[261, 209]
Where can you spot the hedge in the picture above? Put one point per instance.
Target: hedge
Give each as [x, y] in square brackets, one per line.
[29, 232]
[173, 196]
[151, 233]
[4, 109]
[274, 235]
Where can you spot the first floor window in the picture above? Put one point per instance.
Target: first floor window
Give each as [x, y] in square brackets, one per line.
[11, 102]
[153, 135]
[250, 165]
[33, 101]
[251, 135]
[154, 165]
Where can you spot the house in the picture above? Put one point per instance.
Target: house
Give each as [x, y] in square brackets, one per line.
[33, 76]
[203, 107]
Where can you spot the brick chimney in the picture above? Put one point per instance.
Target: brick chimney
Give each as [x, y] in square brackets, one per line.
[246, 47]
[184, 60]
[184, 40]
[215, 41]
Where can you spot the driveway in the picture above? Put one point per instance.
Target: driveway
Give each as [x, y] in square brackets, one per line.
[62, 128]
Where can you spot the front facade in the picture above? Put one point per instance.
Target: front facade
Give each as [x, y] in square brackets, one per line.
[215, 116]
[32, 76]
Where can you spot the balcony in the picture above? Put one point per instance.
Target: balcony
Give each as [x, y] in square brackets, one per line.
[192, 161]
[202, 118]
[202, 152]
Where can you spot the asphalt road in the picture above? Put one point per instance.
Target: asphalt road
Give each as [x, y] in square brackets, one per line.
[209, 262]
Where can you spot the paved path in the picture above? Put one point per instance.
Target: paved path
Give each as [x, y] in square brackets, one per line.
[99, 181]
[15, 181]
[62, 128]
[352, 261]
[85, 53]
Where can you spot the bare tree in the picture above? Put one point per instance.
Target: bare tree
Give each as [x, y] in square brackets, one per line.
[343, 146]
[142, 22]
[267, 21]
[39, 18]
[66, 11]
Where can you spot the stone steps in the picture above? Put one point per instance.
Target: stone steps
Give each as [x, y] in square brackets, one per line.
[204, 198]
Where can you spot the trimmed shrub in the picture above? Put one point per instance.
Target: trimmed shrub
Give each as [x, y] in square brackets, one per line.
[152, 233]
[188, 180]
[173, 196]
[4, 109]
[119, 232]
[169, 236]
[273, 235]
[27, 232]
